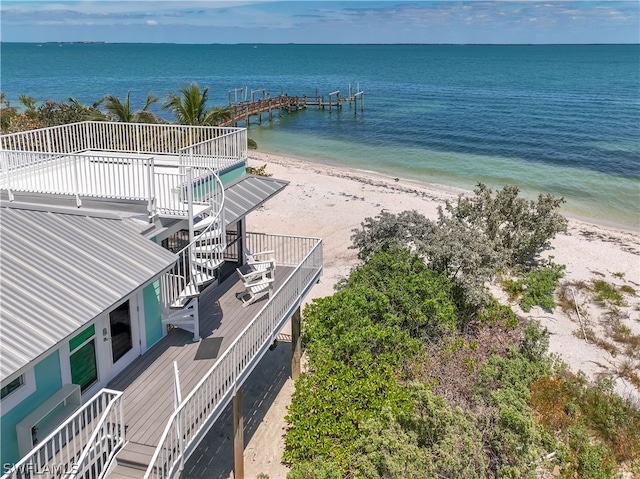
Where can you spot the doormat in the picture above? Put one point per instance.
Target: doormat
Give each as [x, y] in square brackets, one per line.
[209, 348]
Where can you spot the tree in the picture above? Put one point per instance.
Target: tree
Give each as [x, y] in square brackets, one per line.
[190, 107]
[53, 113]
[121, 111]
[472, 240]
[7, 112]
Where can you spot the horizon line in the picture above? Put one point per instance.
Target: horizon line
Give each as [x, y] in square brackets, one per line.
[100, 42]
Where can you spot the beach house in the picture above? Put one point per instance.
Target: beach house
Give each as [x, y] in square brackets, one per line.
[134, 299]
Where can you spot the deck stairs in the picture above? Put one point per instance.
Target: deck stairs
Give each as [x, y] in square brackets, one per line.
[197, 266]
[133, 461]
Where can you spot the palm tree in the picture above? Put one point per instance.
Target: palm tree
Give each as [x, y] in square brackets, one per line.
[190, 107]
[121, 111]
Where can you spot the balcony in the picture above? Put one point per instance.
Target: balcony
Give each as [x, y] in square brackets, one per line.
[161, 437]
[121, 162]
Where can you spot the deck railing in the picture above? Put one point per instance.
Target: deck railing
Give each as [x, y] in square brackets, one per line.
[195, 414]
[98, 423]
[31, 151]
[105, 176]
[223, 151]
[143, 138]
[78, 174]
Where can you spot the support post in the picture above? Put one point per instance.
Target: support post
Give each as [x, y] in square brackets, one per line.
[238, 436]
[296, 344]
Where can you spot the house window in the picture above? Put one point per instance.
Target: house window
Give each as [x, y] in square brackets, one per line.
[17, 383]
[84, 368]
[17, 389]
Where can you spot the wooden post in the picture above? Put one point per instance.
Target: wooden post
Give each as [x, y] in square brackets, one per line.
[296, 344]
[238, 436]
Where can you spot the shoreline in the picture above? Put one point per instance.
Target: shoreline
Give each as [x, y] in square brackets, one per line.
[330, 201]
[369, 176]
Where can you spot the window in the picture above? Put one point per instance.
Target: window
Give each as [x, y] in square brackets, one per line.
[17, 389]
[17, 383]
[84, 368]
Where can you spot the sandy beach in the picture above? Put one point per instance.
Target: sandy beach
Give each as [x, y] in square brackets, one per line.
[329, 202]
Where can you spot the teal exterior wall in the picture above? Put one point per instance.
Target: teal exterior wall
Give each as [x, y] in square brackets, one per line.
[232, 174]
[48, 380]
[152, 313]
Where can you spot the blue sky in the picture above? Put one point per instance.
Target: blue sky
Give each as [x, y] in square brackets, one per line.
[454, 21]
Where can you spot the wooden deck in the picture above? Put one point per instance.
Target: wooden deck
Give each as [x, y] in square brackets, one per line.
[148, 383]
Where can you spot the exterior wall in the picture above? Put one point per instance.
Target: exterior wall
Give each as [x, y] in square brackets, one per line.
[152, 314]
[48, 379]
[227, 176]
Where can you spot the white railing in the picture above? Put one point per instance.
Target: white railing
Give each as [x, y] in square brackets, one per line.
[221, 152]
[207, 190]
[144, 138]
[147, 138]
[64, 139]
[107, 438]
[78, 174]
[210, 396]
[58, 454]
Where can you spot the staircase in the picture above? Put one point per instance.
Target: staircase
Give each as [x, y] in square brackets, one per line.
[198, 264]
[133, 461]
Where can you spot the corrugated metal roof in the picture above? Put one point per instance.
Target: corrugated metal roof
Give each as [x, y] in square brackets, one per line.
[59, 271]
[247, 193]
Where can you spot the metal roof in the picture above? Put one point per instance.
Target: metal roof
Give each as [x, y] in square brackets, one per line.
[247, 193]
[59, 271]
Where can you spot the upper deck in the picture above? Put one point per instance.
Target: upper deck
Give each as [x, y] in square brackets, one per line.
[127, 162]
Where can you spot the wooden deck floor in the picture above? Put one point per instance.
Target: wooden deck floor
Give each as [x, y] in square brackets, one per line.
[148, 382]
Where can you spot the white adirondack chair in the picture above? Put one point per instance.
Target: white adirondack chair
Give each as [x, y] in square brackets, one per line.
[258, 279]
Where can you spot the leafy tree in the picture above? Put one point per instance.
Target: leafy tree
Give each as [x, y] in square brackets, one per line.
[519, 227]
[7, 112]
[472, 241]
[190, 107]
[430, 440]
[121, 111]
[53, 113]
[29, 104]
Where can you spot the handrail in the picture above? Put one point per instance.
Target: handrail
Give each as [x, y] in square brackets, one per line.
[80, 174]
[177, 279]
[107, 443]
[233, 365]
[56, 453]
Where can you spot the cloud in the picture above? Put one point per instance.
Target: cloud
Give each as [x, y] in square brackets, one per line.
[152, 22]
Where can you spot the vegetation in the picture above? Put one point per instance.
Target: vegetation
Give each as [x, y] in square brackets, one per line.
[473, 240]
[259, 170]
[406, 378]
[189, 107]
[536, 288]
[118, 110]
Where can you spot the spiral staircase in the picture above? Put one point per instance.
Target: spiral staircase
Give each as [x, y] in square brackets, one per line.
[199, 262]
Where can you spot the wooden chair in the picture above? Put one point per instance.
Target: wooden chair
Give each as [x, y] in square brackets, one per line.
[257, 284]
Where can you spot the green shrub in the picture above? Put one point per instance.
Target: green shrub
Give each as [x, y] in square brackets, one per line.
[537, 287]
[606, 293]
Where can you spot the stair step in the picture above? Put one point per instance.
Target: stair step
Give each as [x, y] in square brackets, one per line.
[135, 456]
[125, 472]
[200, 225]
[214, 234]
[206, 263]
[209, 249]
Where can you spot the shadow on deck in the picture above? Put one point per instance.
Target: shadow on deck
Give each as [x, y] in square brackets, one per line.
[148, 383]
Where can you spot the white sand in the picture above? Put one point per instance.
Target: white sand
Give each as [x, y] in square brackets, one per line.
[329, 202]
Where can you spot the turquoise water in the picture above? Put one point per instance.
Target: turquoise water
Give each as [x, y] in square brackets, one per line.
[562, 119]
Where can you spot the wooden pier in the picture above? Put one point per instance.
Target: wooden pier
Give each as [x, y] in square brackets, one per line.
[244, 110]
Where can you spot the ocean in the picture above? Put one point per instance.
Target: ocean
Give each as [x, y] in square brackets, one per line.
[559, 119]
